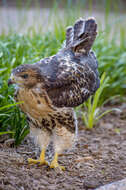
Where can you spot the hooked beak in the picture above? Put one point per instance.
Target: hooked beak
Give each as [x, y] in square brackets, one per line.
[11, 80]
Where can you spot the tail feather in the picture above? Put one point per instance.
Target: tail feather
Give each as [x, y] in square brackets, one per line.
[69, 36]
[81, 37]
[78, 28]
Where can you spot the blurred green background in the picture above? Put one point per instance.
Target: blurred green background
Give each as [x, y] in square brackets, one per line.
[19, 16]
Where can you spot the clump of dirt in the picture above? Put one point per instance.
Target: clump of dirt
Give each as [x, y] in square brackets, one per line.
[98, 158]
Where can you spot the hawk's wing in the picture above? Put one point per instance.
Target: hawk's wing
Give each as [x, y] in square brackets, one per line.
[69, 82]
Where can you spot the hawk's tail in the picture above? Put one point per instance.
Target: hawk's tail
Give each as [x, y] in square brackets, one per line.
[81, 36]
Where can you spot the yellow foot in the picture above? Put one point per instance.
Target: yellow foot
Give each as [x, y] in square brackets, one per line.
[54, 163]
[41, 160]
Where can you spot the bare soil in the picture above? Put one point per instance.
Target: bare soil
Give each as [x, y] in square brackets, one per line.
[98, 158]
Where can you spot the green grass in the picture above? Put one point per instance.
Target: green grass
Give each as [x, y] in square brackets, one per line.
[16, 49]
[90, 110]
[112, 60]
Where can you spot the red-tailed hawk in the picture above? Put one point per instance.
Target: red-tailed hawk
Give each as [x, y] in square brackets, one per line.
[52, 87]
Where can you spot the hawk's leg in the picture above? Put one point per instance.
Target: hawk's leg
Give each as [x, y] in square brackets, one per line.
[54, 163]
[41, 160]
[43, 138]
[63, 139]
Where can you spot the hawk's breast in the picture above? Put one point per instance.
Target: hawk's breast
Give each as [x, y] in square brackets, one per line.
[34, 103]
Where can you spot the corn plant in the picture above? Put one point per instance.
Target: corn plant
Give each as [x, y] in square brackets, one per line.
[13, 122]
[92, 112]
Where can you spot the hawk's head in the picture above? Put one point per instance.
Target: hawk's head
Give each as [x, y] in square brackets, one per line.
[25, 76]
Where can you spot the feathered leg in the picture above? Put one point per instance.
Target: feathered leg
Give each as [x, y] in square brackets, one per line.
[63, 135]
[42, 139]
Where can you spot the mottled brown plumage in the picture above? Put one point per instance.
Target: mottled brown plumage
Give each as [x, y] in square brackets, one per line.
[52, 87]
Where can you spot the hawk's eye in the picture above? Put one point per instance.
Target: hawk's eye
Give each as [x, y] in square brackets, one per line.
[25, 76]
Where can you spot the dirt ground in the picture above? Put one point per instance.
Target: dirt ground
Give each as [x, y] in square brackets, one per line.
[98, 158]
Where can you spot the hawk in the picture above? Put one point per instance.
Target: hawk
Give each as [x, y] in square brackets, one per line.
[52, 87]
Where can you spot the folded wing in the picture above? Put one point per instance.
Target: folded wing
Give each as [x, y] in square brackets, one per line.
[70, 82]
